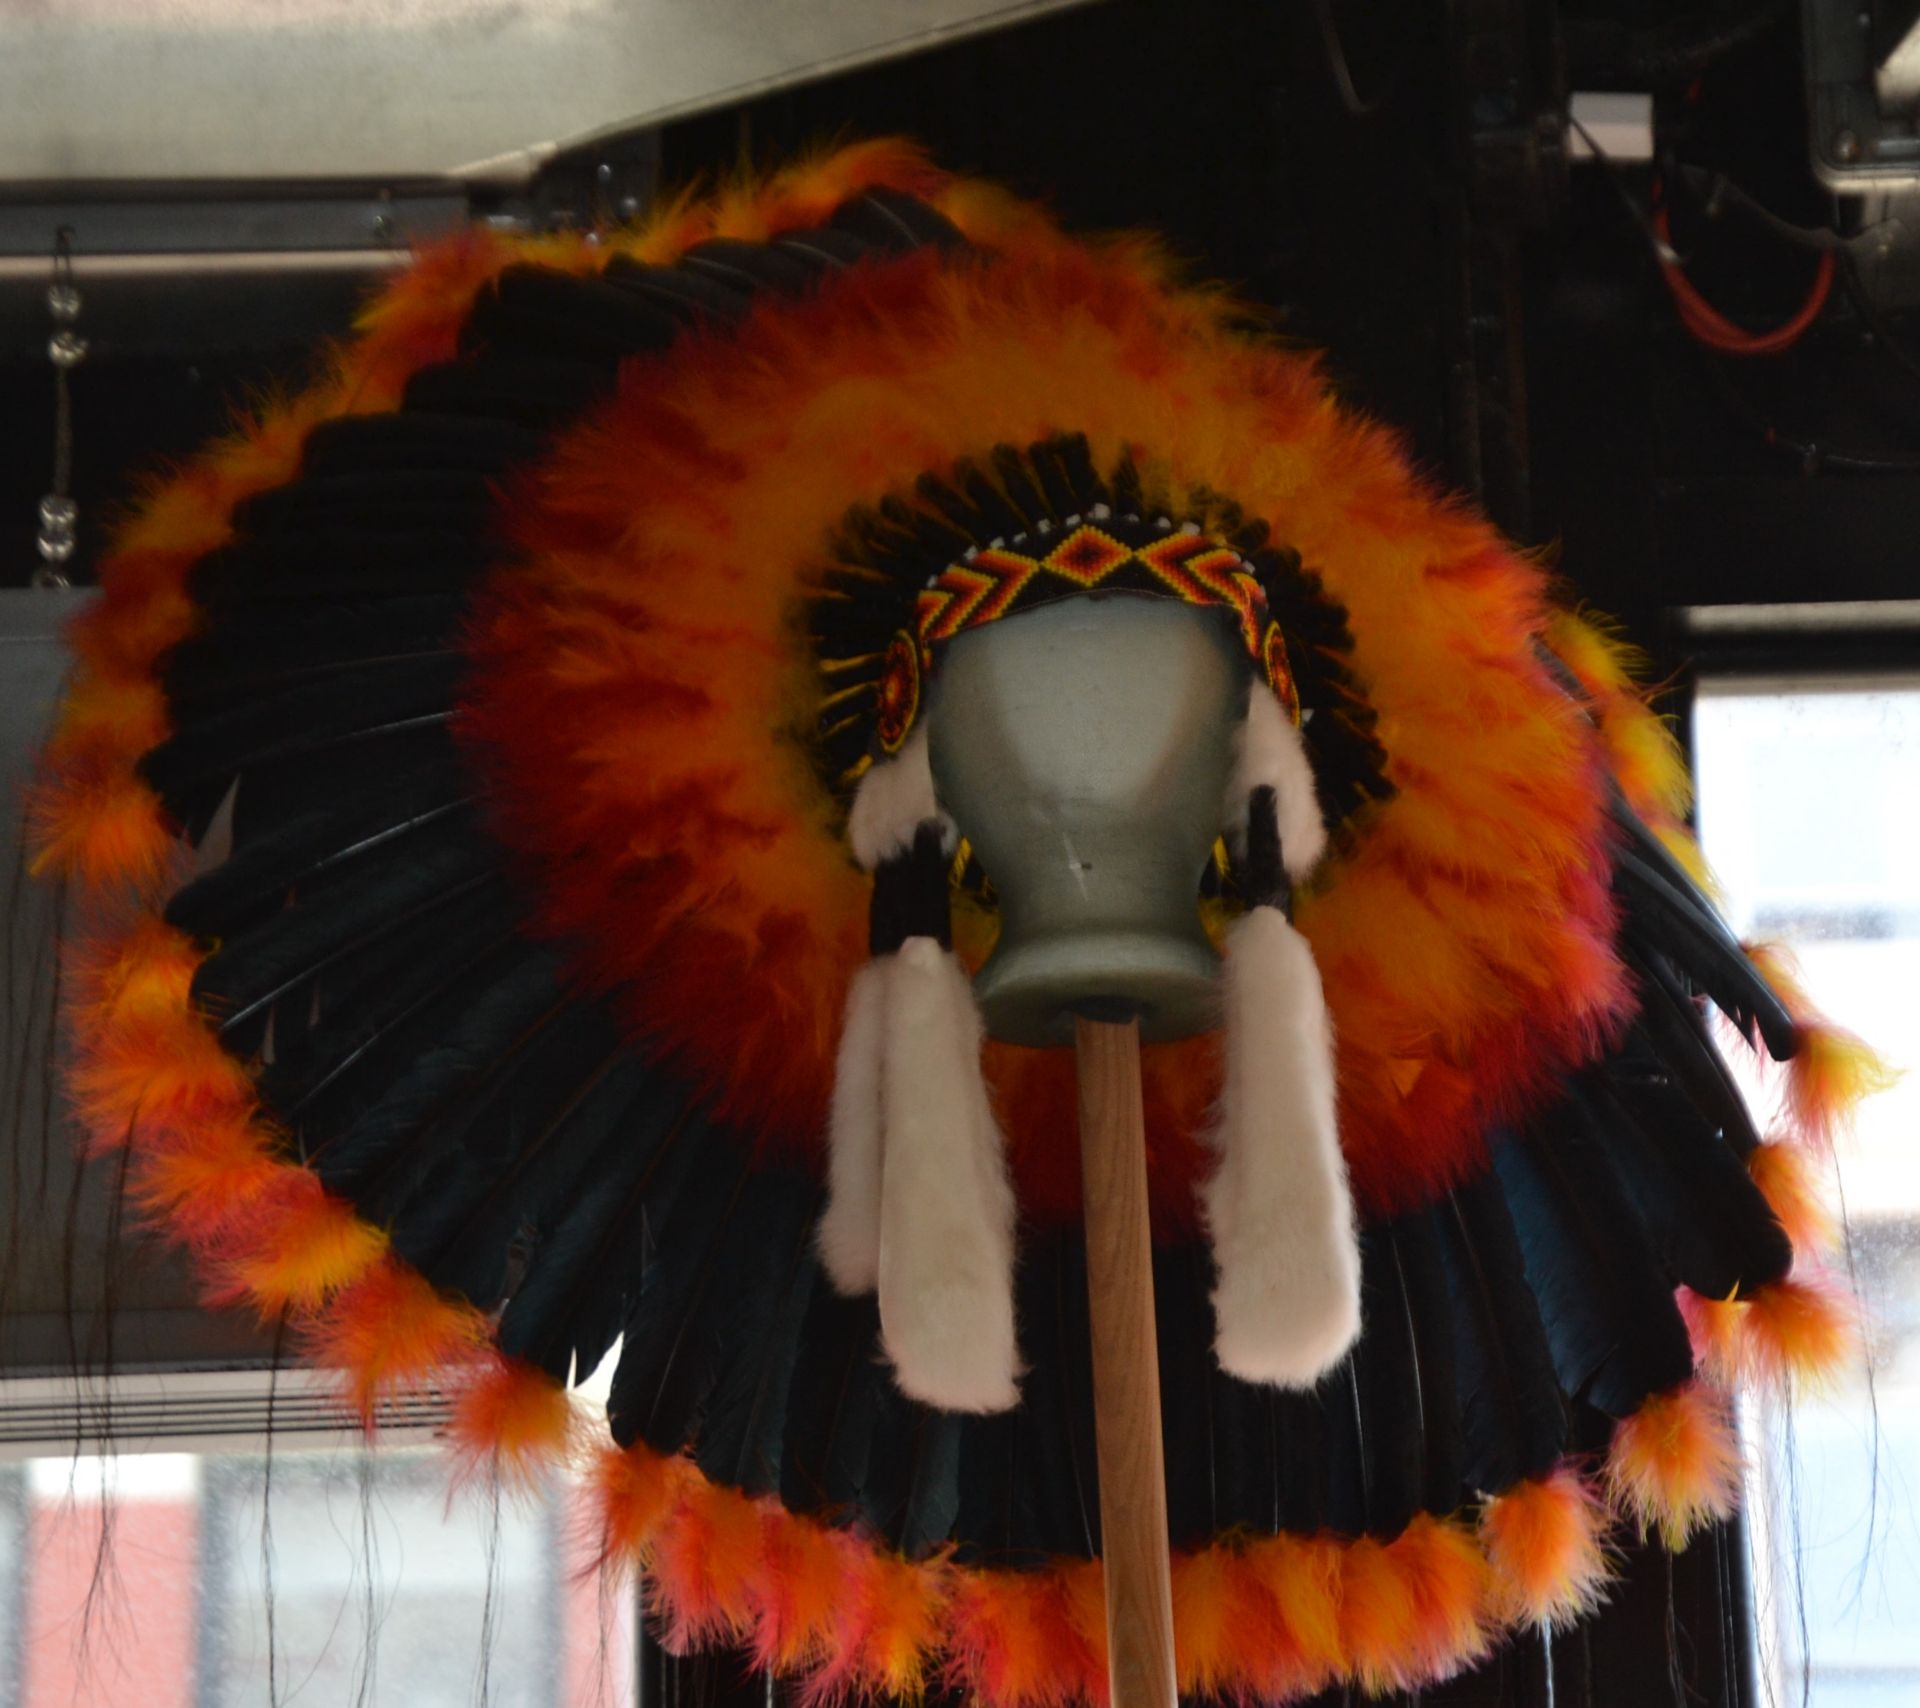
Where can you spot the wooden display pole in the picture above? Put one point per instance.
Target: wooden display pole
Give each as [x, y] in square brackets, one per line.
[1126, 1366]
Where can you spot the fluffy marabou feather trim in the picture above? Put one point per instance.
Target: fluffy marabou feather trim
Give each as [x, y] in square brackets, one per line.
[1642, 750]
[1287, 1306]
[1832, 1072]
[894, 799]
[1789, 1179]
[849, 1237]
[1805, 1329]
[1545, 1541]
[1674, 1465]
[1255, 1618]
[1269, 754]
[946, 1203]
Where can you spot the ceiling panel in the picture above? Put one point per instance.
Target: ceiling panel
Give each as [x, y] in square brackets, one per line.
[168, 89]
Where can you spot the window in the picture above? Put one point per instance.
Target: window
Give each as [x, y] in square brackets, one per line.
[351, 1571]
[1809, 796]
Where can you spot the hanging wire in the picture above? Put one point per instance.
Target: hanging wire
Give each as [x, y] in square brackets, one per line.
[1837, 253]
[1340, 68]
[1712, 328]
[1702, 320]
[66, 349]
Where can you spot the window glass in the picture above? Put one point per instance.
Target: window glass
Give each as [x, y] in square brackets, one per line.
[353, 1573]
[1809, 800]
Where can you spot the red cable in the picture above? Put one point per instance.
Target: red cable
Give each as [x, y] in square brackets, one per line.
[1712, 328]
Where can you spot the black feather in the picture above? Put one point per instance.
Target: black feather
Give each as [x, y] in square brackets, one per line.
[542, 312]
[514, 1165]
[530, 392]
[823, 248]
[355, 1041]
[1073, 1364]
[1392, 1397]
[245, 651]
[271, 795]
[243, 976]
[303, 721]
[983, 1523]
[1675, 1033]
[470, 1040]
[1423, 1277]
[686, 295]
[293, 574]
[876, 224]
[1349, 1508]
[1605, 1298]
[1300, 1438]
[916, 224]
[1060, 1503]
[894, 1441]
[580, 1279]
[925, 1519]
[831, 1408]
[1183, 1317]
[1667, 913]
[1015, 477]
[403, 440]
[264, 869]
[716, 1253]
[739, 1440]
[1709, 1222]
[750, 266]
[1245, 1476]
[1513, 1418]
[365, 503]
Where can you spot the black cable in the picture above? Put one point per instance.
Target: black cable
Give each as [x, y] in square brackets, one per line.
[1341, 69]
[1875, 317]
[1607, 55]
[1616, 178]
[1716, 190]
[1812, 457]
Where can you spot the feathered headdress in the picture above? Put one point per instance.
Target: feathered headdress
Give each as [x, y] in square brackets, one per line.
[516, 761]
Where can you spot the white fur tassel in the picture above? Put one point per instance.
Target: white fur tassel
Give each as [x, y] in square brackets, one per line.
[894, 799]
[946, 1203]
[1270, 754]
[1287, 1305]
[849, 1232]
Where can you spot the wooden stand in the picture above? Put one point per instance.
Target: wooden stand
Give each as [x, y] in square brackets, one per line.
[1126, 1366]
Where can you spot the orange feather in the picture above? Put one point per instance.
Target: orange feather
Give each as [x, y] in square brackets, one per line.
[1674, 1465]
[388, 1333]
[1789, 1180]
[804, 1594]
[1447, 1573]
[635, 1490]
[1379, 1616]
[512, 1423]
[296, 1248]
[1833, 1071]
[1543, 1542]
